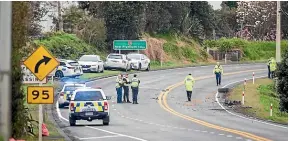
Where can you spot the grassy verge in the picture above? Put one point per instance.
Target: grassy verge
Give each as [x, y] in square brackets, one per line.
[259, 96]
[33, 110]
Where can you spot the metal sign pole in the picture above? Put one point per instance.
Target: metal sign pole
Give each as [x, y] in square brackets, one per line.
[5, 68]
[40, 119]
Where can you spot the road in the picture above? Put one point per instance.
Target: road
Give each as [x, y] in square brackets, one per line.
[171, 118]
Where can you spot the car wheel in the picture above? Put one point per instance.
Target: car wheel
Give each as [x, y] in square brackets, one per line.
[149, 67]
[105, 121]
[59, 74]
[139, 67]
[72, 121]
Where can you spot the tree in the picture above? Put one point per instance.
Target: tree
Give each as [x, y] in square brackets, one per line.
[284, 19]
[282, 82]
[230, 4]
[37, 10]
[20, 22]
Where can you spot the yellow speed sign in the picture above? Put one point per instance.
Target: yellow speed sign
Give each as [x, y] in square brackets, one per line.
[40, 95]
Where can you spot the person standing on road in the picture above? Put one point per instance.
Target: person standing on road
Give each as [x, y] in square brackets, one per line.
[135, 88]
[268, 65]
[189, 83]
[273, 67]
[118, 86]
[218, 70]
[126, 89]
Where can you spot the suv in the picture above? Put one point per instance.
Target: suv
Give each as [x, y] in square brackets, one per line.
[117, 61]
[91, 63]
[66, 93]
[88, 104]
[139, 61]
[68, 68]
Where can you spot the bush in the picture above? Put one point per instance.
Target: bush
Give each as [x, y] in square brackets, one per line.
[282, 82]
[66, 46]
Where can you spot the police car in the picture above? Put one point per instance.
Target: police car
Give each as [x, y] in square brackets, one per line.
[68, 68]
[66, 93]
[89, 104]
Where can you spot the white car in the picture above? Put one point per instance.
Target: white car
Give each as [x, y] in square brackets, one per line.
[68, 68]
[66, 93]
[139, 61]
[89, 104]
[91, 63]
[117, 61]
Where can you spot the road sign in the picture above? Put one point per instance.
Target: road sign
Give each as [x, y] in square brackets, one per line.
[40, 94]
[41, 63]
[129, 44]
[29, 78]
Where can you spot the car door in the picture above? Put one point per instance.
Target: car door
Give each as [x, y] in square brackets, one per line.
[143, 62]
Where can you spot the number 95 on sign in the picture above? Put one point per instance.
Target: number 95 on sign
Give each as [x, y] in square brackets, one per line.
[40, 94]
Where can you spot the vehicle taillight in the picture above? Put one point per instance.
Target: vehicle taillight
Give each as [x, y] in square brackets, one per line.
[105, 106]
[62, 94]
[71, 106]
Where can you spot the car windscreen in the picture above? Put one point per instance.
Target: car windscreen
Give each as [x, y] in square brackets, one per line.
[115, 57]
[71, 88]
[88, 96]
[133, 56]
[73, 63]
[88, 58]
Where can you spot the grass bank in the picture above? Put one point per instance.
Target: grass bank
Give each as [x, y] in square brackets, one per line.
[259, 96]
[33, 110]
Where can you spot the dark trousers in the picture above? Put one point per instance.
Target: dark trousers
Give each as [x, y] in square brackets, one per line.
[269, 73]
[126, 93]
[119, 94]
[189, 95]
[272, 74]
[218, 78]
[134, 93]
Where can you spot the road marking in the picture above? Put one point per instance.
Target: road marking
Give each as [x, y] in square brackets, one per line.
[216, 97]
[239, 138]
[205, 131]
[221, 134]
[60, 116]
[229, 136]
[90, 138]
[163, 103]
[212, 132]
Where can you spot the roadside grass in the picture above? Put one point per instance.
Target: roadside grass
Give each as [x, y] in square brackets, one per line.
[33, 110]
[94, 75]
[259, 96]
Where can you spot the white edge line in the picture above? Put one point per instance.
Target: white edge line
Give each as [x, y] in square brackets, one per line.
[216, 97]
[101, 137]
[59, 115]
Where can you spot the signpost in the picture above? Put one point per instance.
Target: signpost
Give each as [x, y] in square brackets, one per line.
[40, 63]
[129, 45]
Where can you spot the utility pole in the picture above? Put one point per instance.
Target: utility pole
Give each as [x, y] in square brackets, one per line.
[278, 33]
[60, 21]
[5, 68]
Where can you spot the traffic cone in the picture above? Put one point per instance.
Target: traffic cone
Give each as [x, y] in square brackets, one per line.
[45, 131]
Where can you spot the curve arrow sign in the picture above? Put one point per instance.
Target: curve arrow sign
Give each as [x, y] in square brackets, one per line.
[45, 60]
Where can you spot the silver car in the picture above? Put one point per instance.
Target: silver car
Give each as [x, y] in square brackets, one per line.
[117, 61]
[91, 63]
[139, 61]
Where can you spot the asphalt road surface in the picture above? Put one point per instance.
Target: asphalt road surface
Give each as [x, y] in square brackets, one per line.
[164, 115]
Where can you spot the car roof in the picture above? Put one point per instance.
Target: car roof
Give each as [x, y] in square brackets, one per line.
[90, 55]
[134, 54]
[115, 54]
[73, 84]
[88, 89]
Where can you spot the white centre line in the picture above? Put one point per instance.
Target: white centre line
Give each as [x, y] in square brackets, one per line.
[90, 138]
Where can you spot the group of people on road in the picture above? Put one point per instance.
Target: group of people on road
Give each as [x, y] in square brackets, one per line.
[272, 66]
[122, 85]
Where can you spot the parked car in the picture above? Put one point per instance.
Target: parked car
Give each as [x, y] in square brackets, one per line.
[117, 61]
[68, 68]
[91, 63]
[139, 61]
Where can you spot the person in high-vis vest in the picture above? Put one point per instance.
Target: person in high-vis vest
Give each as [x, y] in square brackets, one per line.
[273, 67]
[268, 65]
[134, 88]
[189, 83]
[218, 70]
[118, 86]
[126, 89]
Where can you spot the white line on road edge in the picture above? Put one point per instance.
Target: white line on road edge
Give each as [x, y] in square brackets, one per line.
[59, 115]
[216, 97]
[90, 138]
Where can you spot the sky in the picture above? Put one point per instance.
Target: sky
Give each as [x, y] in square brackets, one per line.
[47, 23]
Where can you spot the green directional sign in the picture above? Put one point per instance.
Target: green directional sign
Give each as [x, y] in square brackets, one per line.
[129, 44]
